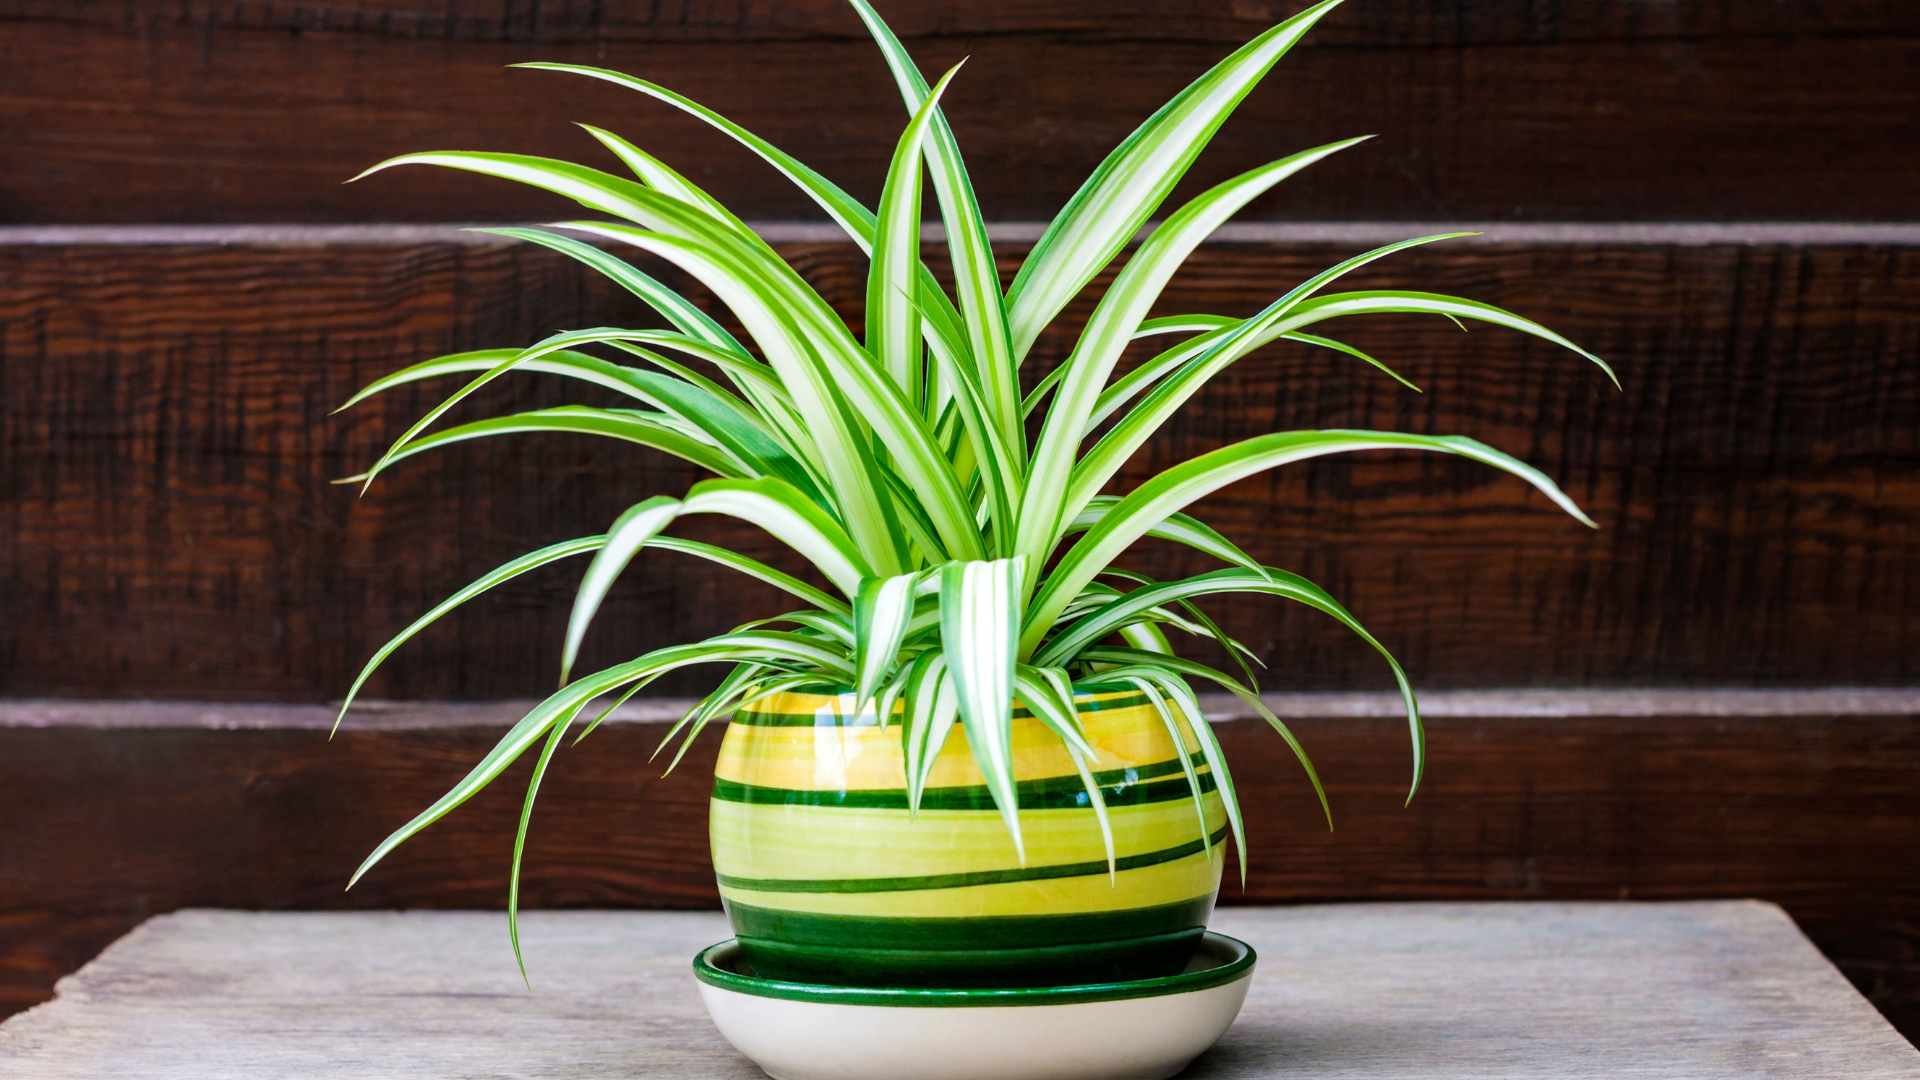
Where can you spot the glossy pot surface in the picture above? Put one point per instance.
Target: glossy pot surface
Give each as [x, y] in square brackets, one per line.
[827, 879]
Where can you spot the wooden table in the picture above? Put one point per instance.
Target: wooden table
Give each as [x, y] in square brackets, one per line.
[1696, 990]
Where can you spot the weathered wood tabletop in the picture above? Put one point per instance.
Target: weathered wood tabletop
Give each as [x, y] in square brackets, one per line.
[1696, 990]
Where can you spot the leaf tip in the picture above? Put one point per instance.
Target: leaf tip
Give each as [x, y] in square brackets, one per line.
[1578, 515]
[370, 170]
[513, 931]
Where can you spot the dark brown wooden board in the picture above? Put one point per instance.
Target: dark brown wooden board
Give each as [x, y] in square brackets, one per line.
[108, 826]
[167, 528]
[161, 110]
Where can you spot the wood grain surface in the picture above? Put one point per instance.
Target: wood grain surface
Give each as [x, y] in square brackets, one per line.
[1577, 797]
[164, 110]
[1701, 991]
[167, 528]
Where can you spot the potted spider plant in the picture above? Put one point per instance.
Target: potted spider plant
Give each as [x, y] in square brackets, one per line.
[972, 756]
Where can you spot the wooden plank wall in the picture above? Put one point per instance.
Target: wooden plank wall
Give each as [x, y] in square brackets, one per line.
[167, 529]
[194, 111]
[169, 526]
[1804, 808]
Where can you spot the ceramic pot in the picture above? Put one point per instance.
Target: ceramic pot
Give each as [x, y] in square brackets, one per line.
[828, 880]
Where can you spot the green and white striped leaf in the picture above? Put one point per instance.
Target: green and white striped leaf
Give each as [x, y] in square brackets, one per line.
[563, 703]
[881, 614]
[1106, 458]
[791, 518]
[630, 425]
[684, 400]
[507, 572]
[1195, 722]
[1145, 636]
[1172, 490]
[979, 627]
[976, 276]
[891, 694]
[628, 534]
[893, 320]
[775, 304]
[771, 407]
[931, 709]
[657, 175]
[819, 624]
[1064, 646]
[1136, 177]
[1342, 347]
[678, 310]
[575, 365]
[835, 385]
[1179, 528]
[1048, 694]
[1382, 302]
[1141, 680]
[1107, 334]
[1248, 697]
[755, 569]
[520, 841]
[591, 188]
[844, 209]
[625, 696]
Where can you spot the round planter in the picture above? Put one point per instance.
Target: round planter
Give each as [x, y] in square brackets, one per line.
[1143, 1030]
[828, 879]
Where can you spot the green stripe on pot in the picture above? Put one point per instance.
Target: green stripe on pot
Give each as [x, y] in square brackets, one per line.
[827, 717]
[1004, 931]
[1121, 787]
[1224, 960]
[966, 879]
[1144, 957]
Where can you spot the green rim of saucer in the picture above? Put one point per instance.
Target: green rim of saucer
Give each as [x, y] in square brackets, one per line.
[1233, 961]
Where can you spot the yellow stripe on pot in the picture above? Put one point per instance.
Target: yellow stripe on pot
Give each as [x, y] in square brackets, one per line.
[805, 841]
[822, 866]
[1163, 883]
[828, 756]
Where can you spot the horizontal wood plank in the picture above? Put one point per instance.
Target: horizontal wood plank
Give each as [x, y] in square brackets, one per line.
[1700, 991]
[1585, 109]
[1813, 811]
[167, 528]
[1023, 233]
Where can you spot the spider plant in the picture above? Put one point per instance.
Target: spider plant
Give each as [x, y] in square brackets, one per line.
[967, 566]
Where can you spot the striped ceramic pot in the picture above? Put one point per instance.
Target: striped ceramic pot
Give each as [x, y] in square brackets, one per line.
[827, 879]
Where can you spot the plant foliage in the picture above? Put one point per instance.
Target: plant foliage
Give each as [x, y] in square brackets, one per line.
[969, 568]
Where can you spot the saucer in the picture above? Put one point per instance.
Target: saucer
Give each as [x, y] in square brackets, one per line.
[1147, 1029]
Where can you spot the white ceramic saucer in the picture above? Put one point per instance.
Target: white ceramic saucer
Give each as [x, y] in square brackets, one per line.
[1143, 1030]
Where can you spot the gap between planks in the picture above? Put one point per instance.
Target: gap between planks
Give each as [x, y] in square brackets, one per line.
[1684, 234]
[1484, 704]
